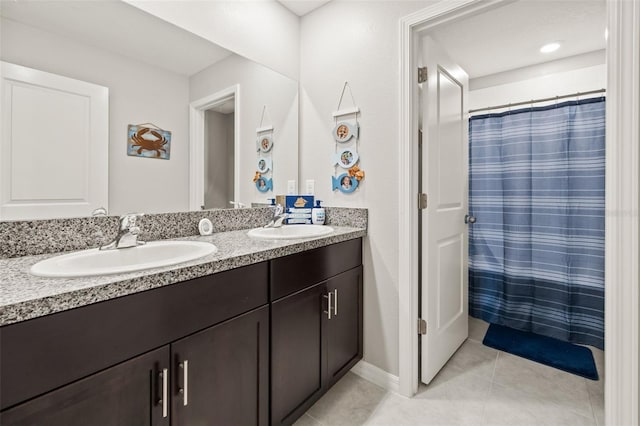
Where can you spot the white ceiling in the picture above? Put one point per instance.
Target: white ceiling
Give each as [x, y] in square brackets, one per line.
[504, 38]
[302, 7]
[120, 28]
[510, 36]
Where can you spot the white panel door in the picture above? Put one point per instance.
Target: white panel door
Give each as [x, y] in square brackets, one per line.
[54, 152]
[444, 233]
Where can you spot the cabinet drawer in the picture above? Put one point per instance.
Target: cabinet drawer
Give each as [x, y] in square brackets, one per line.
[44, 353]
[297, 271]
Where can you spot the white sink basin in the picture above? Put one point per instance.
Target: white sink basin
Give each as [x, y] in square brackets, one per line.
[290, 232]
[104, 262]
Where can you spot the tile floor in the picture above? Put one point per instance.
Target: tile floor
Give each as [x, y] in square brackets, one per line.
[479, 386]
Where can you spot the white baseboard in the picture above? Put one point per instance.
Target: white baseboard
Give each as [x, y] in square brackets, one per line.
[377, 376]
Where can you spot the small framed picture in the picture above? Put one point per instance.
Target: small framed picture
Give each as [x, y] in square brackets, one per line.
[343, 131]
[148, 142]
[345, 183]
[346, 158]
[264, 164]
[265, 143]
[264, 184]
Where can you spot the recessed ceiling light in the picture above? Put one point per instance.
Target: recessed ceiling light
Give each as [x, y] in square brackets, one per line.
[550, 47]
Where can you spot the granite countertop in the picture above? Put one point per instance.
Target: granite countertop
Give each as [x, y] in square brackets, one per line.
[24, 296]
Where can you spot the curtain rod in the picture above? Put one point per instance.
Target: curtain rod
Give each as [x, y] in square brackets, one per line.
[533, 101]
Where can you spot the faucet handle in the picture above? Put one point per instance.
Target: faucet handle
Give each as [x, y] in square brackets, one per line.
[128, 221]
[277, 211]
[100, 211]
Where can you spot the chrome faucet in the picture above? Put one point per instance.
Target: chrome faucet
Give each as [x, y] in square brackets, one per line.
[100, 211]
[128, 233]
[278, 217]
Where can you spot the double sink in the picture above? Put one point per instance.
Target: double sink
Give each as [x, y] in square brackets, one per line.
[155, 254]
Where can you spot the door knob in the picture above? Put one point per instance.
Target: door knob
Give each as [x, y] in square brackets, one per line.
[469, 219]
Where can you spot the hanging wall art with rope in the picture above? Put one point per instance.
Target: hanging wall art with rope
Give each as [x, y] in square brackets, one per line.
[264, 146]
[346, 134]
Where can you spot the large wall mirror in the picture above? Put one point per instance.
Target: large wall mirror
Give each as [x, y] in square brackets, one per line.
[155, 73]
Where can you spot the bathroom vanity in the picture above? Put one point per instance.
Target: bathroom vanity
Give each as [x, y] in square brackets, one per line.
[316, 325]
[257, 343]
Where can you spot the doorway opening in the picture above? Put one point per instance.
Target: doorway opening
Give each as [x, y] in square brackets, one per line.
[624, 22]
[524, 163]
[219, 155]
[214, 147]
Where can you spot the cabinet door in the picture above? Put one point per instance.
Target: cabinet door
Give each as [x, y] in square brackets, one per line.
[127, 394]
[297, 344]
[344, 329]
[221, 374]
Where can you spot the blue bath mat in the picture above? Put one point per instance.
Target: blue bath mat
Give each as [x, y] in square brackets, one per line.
[545, 350]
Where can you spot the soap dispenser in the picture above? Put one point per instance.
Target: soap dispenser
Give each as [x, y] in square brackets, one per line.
[317, 214]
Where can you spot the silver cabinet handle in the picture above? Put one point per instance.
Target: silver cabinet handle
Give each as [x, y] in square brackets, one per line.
[469, 219]
[165, 392]
[335, 302]
[185, 382]
[328, 311]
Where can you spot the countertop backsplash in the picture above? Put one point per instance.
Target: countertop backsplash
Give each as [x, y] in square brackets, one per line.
[26, 238]
[345, 216]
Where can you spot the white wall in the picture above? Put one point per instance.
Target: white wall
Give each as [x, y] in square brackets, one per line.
[138, 93]
[556, 84]
[263, 31]
[259, 86]
[346, 41]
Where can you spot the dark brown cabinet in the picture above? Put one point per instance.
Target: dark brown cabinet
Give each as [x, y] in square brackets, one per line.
[221, 374]
[316, 331]
[218, 376]
[297, 345]
[216, 326]
[344, 330]
[127, 394]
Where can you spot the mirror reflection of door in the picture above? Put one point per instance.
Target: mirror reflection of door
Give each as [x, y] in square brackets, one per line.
[219, 139]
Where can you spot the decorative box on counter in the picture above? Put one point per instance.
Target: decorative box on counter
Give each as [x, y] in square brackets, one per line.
[298, 207]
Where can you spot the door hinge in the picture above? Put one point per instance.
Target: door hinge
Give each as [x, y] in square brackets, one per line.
[422, 326]
[422, 201]
[422, 74]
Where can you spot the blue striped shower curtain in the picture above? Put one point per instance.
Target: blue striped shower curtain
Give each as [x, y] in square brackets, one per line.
[536, 251]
